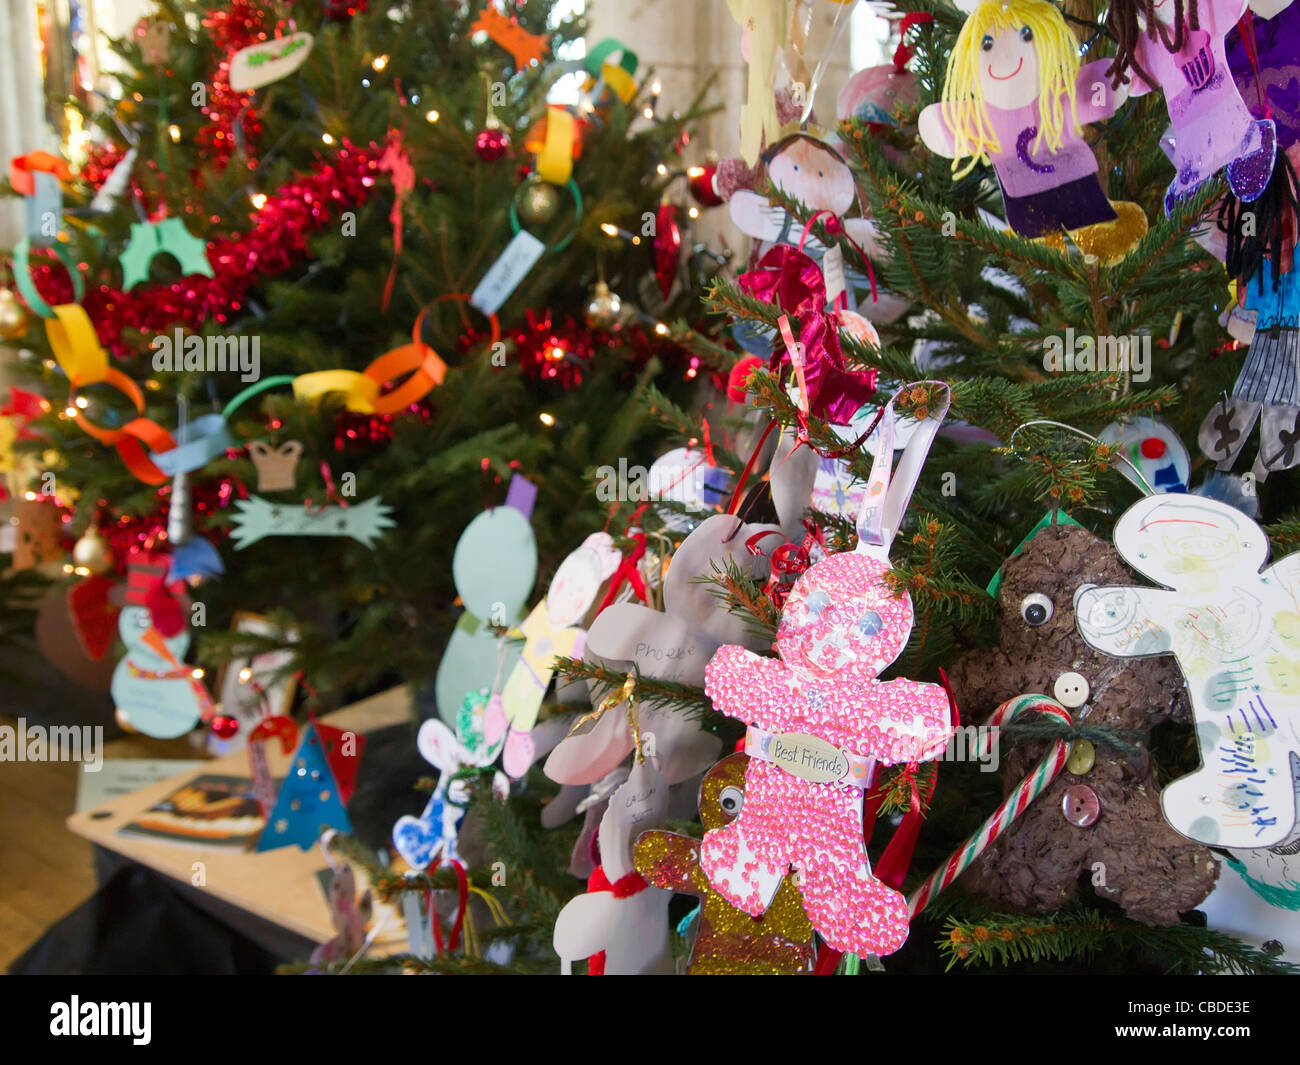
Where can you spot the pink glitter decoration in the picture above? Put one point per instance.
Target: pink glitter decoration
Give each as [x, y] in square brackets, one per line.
[840, 629]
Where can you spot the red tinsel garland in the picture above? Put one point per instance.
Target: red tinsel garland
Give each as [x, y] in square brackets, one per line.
[236, 27]
[272, 246]
[561, 352]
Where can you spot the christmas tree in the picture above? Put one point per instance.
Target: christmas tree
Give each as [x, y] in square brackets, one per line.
[986, 283]
[330, 185]
[1041, 299]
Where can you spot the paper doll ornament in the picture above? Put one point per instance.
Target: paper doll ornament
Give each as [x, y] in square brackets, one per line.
[309, 799]
[493, 566]
[1183, 55]
[729, 941]
[820, 720]
[621, 923]
[1233, 628]
[1038, 863]
[554, 629]
[1016, 97]
[1267, 389]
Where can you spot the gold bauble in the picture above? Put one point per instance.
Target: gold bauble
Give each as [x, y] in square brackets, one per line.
[92, 552]
[538, 201]
[603, 309]
[14, 319]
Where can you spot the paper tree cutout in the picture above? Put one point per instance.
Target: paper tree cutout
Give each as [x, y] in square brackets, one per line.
[308, 800]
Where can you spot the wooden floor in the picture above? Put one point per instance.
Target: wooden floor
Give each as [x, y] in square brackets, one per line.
[45, 871]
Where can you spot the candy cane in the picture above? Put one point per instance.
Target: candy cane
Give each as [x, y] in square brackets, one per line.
[1012, 806]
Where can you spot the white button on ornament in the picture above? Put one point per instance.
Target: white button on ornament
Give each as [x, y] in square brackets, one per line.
[1070, 690]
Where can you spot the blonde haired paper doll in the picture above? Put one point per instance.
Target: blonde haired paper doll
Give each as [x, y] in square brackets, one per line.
[1016, 97]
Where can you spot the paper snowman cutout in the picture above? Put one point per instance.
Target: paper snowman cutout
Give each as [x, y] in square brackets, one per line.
[674, 644]
[153, 688]
[1235, 633]
[1154, 449]
[493, 567]
[625, 925]
[552, 630]
[434, 834]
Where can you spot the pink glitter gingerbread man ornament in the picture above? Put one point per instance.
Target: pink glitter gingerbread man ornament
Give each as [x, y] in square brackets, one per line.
[820, 719]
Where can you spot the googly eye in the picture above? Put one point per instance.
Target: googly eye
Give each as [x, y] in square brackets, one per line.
[816, 602]
[1036, 609]
[869, 623]
[731, 800]
[987, 43]
[1026, 34]
[142, 621]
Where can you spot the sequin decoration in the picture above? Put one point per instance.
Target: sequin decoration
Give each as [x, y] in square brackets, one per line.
[841, 627]
[729, 942]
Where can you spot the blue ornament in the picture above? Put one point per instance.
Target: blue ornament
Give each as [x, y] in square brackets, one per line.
[308, 800]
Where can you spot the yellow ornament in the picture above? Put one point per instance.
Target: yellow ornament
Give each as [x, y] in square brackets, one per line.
[92, 552]
[538, 201]
[14, 319]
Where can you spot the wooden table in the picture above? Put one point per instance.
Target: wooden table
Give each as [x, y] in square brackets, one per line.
[279, 887]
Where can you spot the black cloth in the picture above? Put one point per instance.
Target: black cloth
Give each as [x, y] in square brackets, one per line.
[138, 924]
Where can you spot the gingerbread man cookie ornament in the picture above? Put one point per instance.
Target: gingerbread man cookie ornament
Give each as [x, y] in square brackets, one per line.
[1100, 818]
[820, 719]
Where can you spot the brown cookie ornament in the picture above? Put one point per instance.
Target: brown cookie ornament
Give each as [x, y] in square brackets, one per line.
[1101, 816]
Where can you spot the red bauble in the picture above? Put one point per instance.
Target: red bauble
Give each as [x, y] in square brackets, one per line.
[225, 727]
[491, 144]
[704, 191]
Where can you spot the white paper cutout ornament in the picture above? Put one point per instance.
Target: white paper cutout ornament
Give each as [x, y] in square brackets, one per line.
[1235, 633]
[268, 61]
[627, 923]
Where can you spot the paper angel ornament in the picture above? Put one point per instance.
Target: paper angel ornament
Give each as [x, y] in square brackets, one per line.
[1235, 633]
[1180, 50]
[1016, 97]
[819, 721]
[553, 630]
[621, 923]
[729, 941]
